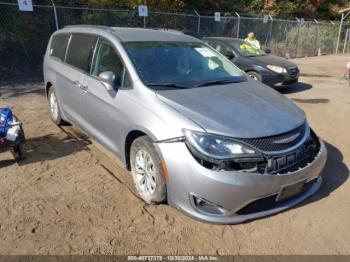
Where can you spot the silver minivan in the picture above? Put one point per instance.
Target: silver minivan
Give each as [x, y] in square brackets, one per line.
[192, 128]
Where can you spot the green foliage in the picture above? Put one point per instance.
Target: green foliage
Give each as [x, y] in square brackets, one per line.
[320, 9]
[24, 35]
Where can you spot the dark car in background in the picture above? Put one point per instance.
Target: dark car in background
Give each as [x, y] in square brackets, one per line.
[269, 69]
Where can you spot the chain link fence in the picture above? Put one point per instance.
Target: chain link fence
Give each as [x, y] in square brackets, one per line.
[24, 35]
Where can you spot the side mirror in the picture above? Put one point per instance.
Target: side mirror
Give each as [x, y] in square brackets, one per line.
[230, 55]
[107, 78]
[268, 51]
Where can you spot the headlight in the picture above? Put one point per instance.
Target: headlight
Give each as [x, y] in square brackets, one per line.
[216, 147]
[277, 69]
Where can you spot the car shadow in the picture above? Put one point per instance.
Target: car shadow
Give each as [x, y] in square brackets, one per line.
[10, 92]
[7, 162]
[48, 147]
[293, 88]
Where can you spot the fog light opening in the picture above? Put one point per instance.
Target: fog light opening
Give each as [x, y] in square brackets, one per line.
[208, 207]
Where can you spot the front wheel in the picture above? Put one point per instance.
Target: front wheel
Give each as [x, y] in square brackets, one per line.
[256, 76]
[146, 168]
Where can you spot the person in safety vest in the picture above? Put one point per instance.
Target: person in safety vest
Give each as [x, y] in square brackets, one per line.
[249, 49]
[252, 40]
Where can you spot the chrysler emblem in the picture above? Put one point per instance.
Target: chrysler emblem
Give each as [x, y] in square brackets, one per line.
[287, 140]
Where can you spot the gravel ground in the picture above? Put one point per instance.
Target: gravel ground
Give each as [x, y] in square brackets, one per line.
[71, 197]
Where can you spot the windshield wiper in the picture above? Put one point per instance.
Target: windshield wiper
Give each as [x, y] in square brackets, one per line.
[218, 82]
[174, 85]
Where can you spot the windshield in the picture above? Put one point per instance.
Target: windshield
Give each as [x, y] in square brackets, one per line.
[246, 49]
[181, 64]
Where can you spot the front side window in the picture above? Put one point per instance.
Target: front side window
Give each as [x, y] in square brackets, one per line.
[80, 51]
[246, 49]
[106, 59]
[190, 64]
[59, 45]
[220, 47]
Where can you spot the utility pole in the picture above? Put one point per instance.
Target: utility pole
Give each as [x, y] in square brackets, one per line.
[199, 21]
[343, 16]
[55, 14]
[238, 23]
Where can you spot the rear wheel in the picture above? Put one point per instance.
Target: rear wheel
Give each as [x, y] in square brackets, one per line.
[146, 168]
[54, 107]
[255, 75]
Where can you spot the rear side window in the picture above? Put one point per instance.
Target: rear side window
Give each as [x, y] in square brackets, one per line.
[59, 45]
[80, 51]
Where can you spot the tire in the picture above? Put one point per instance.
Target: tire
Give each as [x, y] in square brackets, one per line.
[54, 108]
[255, 75]
[148, 177]
[19, 152]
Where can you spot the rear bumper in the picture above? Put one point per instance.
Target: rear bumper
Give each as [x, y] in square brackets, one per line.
[230, 190]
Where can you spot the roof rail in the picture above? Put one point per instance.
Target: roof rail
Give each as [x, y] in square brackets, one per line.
[112, 27]
[90, 26]
[164, 29]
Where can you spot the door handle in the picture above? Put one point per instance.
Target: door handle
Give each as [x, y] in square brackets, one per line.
[80, 85]
[77, 83]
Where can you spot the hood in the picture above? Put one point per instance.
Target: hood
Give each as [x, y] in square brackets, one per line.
[243, 110]
[272, 60]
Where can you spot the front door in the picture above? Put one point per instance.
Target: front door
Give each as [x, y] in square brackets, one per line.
[102, 108]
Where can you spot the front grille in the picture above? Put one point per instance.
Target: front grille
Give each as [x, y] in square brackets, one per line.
[293, 71]
[294, 160]
[267, 203]
[267, 144]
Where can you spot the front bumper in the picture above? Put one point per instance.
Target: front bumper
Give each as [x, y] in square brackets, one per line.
[230, 190]
[271, 78]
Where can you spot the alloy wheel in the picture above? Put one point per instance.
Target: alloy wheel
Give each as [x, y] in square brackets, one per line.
[145, 172]
[254, 77]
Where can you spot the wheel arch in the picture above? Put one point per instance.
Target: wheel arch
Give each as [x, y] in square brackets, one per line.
[48, 85]
[251, 70]
[130, 138]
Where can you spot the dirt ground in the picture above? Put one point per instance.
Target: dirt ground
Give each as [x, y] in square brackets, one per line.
[69, 197]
